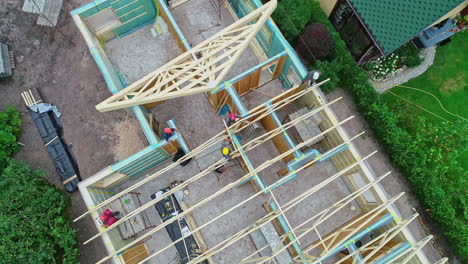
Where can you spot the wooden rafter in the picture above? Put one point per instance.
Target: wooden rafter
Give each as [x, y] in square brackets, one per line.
[198, 70]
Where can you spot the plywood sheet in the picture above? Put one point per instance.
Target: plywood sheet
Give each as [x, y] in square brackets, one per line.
[279, 142]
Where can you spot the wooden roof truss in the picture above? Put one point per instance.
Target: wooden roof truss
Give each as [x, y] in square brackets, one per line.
[197, 70]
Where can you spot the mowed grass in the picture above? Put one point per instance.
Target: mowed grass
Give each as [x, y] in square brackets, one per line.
[446, 79]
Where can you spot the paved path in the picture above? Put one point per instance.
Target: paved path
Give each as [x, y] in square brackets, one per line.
[408, 74]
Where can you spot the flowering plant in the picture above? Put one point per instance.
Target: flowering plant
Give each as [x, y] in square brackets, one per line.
[382, 67]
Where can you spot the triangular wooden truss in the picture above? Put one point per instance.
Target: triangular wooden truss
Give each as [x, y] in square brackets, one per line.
[198, 70]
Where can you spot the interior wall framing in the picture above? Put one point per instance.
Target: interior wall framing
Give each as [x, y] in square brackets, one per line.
[172, 25]
[270, 41]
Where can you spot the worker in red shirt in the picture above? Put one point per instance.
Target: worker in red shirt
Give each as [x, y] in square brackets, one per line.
[232, 118]
[168, 132]
[108, 218]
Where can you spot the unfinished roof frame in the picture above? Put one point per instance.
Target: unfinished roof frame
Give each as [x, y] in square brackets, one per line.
[200, 69]
[255, 114]
[235, 154]
[227, 187]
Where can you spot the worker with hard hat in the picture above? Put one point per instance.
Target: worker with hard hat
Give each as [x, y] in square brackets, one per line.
[168, 132]
[231, 119]
[225, 150]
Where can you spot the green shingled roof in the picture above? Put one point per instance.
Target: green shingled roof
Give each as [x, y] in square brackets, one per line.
[394, 22]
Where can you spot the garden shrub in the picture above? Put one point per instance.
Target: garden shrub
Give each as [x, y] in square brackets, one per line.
[10, 122]
[329, 70]
[292, 16]
[409, 55]
[34, 223]
[382, 67]
[315, 43]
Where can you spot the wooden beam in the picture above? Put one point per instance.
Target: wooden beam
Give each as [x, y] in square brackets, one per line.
[368, 216]
[211, 168]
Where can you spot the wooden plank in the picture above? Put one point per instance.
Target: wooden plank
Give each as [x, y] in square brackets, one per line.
[278, 140]
[135, 254]
[283, 171]
[255, 79]
[171, 28]
[197, 235]
[279, 67]
[244, 85]
[172, 147]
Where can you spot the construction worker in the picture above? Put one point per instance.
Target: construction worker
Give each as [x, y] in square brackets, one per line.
[225, 150]
[311, 78]
[231, 119]
[108, 218]
[168, 132]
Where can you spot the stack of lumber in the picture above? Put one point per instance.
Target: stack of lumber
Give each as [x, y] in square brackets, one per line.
[48, 10]
[5, 62]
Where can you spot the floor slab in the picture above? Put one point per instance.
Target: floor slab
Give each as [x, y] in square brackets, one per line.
[141, 53]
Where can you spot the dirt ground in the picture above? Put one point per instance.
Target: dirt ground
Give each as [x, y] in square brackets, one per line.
[68, 77]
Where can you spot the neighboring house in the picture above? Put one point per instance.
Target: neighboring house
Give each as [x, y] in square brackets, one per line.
[373, 28]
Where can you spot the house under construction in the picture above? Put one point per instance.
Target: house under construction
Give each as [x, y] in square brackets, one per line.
[292, 189]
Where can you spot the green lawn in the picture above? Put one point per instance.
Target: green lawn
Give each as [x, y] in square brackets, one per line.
[446, 79]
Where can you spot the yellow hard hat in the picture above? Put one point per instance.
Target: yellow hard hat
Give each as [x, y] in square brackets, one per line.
[226, 151]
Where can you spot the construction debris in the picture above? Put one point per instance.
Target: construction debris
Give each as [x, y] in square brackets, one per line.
[6, 61]
[48, 10]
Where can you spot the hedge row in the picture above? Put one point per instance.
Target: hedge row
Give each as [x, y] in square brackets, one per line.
[35, 224]
[427, 157]
[9, 132]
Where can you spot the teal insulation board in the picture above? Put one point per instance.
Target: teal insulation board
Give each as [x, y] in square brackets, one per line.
[138, 12]
[140, 162]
